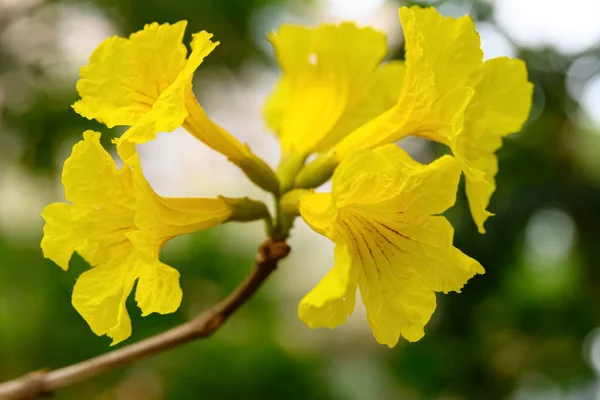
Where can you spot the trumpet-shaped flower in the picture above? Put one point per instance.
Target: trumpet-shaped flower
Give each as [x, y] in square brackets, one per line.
[450, 95]
[332, 83]
[145, 82]
[389, 242]
[118, 224]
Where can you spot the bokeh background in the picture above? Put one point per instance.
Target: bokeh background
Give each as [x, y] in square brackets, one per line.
[527, 330]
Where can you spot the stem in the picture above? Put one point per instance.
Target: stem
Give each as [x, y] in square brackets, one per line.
[42, 383]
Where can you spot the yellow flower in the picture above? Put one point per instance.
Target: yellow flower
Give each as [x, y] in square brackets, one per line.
[118, 224]
[332, 83]
[389, 241]
[451, 96]
[146, 82]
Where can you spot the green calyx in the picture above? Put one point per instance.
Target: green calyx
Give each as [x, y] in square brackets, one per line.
[317, 172]
[260, 173]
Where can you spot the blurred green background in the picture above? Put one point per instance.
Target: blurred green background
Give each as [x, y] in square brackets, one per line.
[528, 329]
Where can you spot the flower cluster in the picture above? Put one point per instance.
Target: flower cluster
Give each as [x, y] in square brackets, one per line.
[335, 99]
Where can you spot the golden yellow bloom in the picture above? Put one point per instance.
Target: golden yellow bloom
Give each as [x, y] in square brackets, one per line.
[332, 83]
[146, 82]
[451, 96]
[389, 241]
[118, 224]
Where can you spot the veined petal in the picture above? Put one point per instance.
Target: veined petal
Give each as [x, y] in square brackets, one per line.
[398, 302]
[126, 76]
[332, 300]
[327, 72]
[401, 261]
[500, 106]
[400, 254]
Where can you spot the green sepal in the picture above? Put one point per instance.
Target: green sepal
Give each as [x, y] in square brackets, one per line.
[246, 210]
[317, 172]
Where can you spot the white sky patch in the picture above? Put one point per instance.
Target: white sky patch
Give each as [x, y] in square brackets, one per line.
[353, 9]
[17, 5]
[379, 14]
[451, 8]
[569, 27]
[591, 350]
[550, 235]
[579, 74]
[537, 387]
[590, 100]
[494, 43]
[23, 199]
[80, 29]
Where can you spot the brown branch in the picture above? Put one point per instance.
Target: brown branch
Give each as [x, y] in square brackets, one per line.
[44, 383]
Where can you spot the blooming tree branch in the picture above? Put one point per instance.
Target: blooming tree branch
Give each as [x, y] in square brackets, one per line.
[337, 100]
[44, 383]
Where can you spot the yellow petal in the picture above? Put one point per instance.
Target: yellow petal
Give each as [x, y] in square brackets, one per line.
[90, 176]
[381, 209]
[99, 296]
[125, 77]
[423, 189]
[169, 110]
[365, 177]
[158, 290]
[451, 96]
[327, 72]
[59, 241]
[398, 302]
[214, 136]
[315, 209]
[450, 47]
[442, 53]
[96, 234]
[274, 107]
[102, 212]
[381, 95]
[442, 266]
[369, 177]
[171, 217]
[118, 224]
[500, 106]
[101, 292]
[332, 300]
[401, 261]
[158, 287]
